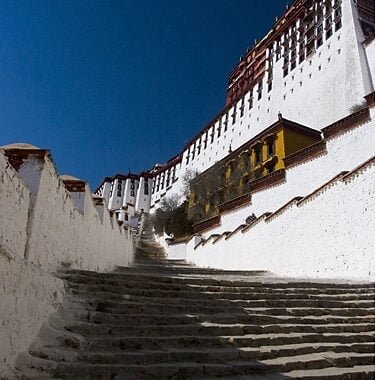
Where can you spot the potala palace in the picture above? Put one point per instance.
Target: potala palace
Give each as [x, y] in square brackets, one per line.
[274, 279]
[296, 130]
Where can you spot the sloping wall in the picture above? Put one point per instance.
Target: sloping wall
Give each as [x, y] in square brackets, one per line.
[328, 234]
[42, 229]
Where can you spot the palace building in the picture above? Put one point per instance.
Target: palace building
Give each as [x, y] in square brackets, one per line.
[314, 67]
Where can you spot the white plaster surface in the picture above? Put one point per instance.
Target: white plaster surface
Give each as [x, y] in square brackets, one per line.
[28, 295]
[14, 205]
[42, 230]
[329, 236]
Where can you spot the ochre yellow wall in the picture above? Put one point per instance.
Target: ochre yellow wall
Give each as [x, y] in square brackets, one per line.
[295, 141]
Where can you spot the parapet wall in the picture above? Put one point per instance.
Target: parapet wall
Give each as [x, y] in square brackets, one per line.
[46, 224]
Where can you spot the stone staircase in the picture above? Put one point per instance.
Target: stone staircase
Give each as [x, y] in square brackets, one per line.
[163, 320]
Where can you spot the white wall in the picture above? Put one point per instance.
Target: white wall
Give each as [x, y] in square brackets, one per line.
[28, 295]
[42, 230]
[14, 206]
[329, 236]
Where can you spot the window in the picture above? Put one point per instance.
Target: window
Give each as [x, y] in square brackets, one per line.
[260, 90]
[219, 129]
[271, 148]
[119, 189]
[338, 25]
[258, 155]
[188, 156]
[242, 108]
[328, 33]
[205, 140]
[251, 99]
[226, 122]
[132, 187]
[234, 115]
[146, 187]
[212, 135]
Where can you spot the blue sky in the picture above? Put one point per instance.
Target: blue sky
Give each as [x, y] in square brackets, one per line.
[110, 86]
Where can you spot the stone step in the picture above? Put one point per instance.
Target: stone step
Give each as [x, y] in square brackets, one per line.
[190, 370]
[198, 355]
[249, 340]
[207, 329]
[116, 303]
[186, 318]
[154, 286]
[126, 307]
[116, 293]
[353, 373]
[119, 278]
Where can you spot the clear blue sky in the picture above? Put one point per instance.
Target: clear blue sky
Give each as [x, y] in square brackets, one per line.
[113, 85]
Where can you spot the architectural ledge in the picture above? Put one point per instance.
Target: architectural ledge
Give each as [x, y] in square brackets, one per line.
[347, 123]
[235, 203]
[269, 180]
[304, 154]
[207, 224]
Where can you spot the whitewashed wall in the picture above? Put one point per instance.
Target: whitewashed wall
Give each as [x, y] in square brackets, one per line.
[330, 236]
[41, 230]
[28, 295]
[14, 205]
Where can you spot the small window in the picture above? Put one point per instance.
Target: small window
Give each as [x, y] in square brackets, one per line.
[119, 189]
[271, 148]
[146, 187]
[319, 42]
[258, 155]
[338, 25]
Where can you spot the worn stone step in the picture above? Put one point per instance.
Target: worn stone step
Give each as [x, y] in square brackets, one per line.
[118, 278]
[123, 301]
[319, 360]
[115, 293]
[206, 329]
[202, 355]
[117, 287]
[335, 373]
[249, 340]
[189, 370]
[126, 307]
[176, 318]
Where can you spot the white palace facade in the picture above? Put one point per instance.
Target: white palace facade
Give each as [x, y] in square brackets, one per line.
[314, 67]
